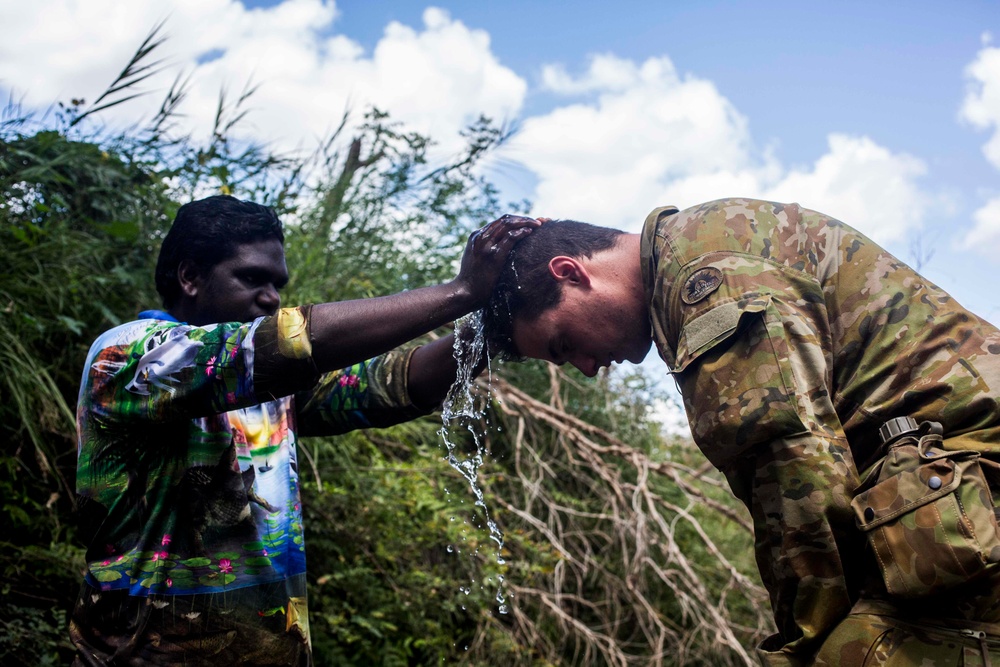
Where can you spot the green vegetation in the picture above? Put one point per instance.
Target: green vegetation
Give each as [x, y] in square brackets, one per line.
[620, 548]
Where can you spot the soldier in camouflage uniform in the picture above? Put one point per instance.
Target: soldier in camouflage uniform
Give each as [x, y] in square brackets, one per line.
[793, 338]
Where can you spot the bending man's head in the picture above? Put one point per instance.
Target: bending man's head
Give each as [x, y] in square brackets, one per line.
[222, 260]
[570, 293]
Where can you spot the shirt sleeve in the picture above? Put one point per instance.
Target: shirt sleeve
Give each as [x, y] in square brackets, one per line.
[371, 394]
[158, 370]
[752, 358]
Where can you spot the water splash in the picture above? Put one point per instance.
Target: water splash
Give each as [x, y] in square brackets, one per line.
[459, 412]
[468, 350]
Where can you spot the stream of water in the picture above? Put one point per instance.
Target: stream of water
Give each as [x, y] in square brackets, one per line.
[458, 413]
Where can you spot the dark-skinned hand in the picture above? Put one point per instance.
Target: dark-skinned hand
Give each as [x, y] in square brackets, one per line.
[486, 254]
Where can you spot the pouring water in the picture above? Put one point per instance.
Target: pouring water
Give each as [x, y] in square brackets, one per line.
[459, 412]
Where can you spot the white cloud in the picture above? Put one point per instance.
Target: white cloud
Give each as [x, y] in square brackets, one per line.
[862, 184]
[56, 48]
[435, 79]
[650, 137]
[985, 235]
[608, 160]
[606, 72]
[626, 136]
[981, 106]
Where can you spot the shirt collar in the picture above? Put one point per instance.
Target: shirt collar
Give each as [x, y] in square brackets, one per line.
[158, 315]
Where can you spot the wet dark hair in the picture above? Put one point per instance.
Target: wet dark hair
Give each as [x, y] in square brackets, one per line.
[526, 288]
[209, 231]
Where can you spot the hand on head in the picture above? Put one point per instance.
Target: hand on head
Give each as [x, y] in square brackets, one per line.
[486, 253]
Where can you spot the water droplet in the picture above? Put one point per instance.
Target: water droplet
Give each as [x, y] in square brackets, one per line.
[451, 549]
[503, 609]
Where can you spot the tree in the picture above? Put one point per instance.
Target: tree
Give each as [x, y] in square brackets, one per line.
[76, 226]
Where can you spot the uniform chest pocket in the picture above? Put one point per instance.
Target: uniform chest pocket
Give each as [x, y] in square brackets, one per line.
[713, 327]
[928, 515]
[736, 374]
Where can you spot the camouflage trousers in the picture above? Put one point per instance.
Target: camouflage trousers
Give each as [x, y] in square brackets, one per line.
[877, 634]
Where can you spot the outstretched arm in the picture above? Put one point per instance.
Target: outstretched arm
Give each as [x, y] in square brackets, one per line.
[347, 332]
[166, 370]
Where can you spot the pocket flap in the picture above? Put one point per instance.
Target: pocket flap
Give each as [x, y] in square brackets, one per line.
[900, 493]
[713, 326]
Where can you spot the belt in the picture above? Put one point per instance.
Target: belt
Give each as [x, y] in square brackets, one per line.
[987, 634]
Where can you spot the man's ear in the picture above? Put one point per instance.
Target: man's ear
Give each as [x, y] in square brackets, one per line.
[189, 278]
[569, 270]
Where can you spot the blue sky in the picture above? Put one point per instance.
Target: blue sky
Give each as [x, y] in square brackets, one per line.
[879, 113]
[797, 69]
[849, 66]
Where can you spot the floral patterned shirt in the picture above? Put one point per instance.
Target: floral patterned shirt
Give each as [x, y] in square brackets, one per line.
[188, 473]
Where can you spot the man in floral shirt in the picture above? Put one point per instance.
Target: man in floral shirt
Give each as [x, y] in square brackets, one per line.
[188, 420]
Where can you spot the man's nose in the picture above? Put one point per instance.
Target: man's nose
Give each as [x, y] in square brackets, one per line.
[269, 298]
[586, 365]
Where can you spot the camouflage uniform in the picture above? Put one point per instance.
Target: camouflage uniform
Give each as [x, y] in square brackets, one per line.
[793, 338]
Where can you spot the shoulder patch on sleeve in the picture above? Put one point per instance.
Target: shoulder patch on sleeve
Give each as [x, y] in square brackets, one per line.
[701, 283]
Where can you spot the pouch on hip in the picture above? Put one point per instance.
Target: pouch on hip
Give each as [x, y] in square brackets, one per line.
[928, 515]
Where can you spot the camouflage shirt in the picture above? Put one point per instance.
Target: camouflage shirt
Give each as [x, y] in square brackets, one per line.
[189, 484]
[793, 338]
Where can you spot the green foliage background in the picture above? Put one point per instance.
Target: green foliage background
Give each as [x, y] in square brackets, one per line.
[400, 565]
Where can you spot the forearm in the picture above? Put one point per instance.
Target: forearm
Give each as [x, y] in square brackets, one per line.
[376, 393]
[348, 332]
[432, 372]
[806, 545]
[762, 410]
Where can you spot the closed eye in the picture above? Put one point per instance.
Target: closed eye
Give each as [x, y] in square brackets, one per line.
[252, 279]
[258, 278]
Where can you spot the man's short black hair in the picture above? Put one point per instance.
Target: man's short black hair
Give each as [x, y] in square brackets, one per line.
[526, 288]
[209, 231]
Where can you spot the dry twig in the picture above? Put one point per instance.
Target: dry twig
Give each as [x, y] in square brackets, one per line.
[620, 564]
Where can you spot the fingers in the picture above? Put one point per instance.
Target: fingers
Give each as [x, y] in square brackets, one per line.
[503, 231]
[487, 253]
[507, 223]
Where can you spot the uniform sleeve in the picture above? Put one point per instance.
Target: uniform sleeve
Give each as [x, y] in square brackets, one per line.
[153, 370]
[752, 357]
[373, 393]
